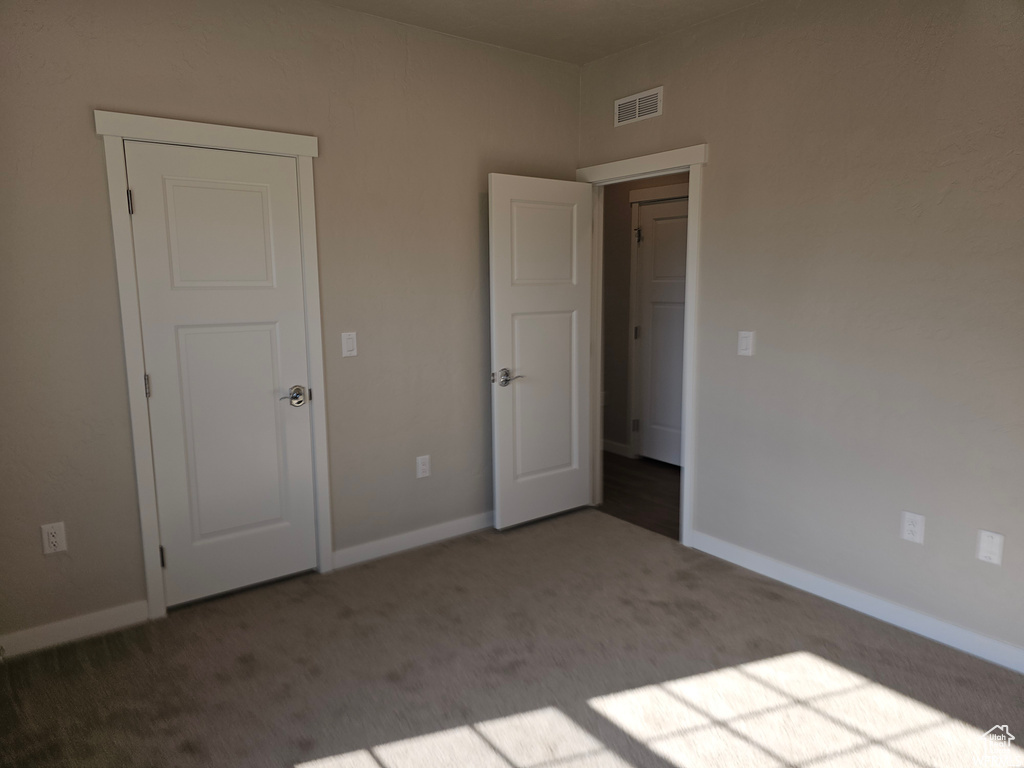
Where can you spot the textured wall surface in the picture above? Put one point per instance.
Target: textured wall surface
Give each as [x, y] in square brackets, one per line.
[618, 241]
[864, 214]
[410, 122]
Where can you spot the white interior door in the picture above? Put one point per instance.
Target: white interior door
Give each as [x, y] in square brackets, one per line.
[218, 259]
[661, 297]
[540, 237]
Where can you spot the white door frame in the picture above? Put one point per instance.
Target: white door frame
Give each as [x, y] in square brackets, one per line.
[116, 128]
[634, 377]
[690, 159]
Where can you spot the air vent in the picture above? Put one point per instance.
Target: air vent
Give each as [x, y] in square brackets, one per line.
[639, 106]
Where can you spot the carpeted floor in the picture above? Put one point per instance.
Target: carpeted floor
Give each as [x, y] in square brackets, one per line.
[578, 641]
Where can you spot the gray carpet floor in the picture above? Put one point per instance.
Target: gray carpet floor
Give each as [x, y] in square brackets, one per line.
[578, 641]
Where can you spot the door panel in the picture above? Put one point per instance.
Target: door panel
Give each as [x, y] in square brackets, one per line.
[218, 259]
[231, 489]
[662, 295]
[668, 247]
[665, 413]
[544, 421]
[239, 233]
[540, 330]
[543, 243]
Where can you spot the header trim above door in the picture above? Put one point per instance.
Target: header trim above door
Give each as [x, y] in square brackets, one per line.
[658, 164]
[167, 131]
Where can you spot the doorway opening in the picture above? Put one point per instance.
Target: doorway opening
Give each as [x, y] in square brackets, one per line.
[645, 224]
[546, 280]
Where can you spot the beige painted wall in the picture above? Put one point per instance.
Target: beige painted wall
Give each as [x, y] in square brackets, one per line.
[618, 241]
[863, 214]
[410, 122]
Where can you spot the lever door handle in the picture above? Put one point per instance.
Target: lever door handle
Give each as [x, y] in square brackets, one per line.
[296, 396]
[505, 377]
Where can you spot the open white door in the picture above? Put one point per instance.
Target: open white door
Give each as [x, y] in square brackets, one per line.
[540, 238]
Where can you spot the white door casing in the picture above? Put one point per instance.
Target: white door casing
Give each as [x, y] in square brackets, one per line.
[540, 279]
[218, 257]
[691, 159]
[661, 300]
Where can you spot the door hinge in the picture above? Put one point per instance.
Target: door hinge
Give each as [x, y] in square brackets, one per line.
[163, 561]
[636, 425]
[636, 331]
[148, 390]
[639, 235]
[131, 204]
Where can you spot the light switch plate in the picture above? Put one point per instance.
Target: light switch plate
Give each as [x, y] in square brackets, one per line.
[348, 345]
[990, 547]
[912, 528]
[746, 344]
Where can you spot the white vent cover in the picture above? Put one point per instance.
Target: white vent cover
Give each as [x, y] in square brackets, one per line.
[639, 106]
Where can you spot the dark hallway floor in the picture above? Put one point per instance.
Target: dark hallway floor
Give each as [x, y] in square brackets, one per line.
[643, 492]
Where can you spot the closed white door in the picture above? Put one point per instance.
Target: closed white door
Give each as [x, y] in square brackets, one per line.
[540, 235]
[218, 258]
[661, 296]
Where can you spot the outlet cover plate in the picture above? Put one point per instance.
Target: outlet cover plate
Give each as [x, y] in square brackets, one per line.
[423, 466]
[912, 528]
[54, 539]
[990, 547]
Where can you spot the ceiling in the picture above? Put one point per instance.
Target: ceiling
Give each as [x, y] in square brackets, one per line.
[577, 31]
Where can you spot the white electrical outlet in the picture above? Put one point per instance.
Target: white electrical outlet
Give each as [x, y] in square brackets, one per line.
[913, 527]
[990, 547]
[746, 344]
[54, 539]
[422, 466]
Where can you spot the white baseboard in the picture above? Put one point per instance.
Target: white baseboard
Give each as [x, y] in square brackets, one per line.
[996, 651]
[121, 616]
[619, 449]
[360, 553]
[75, 628]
